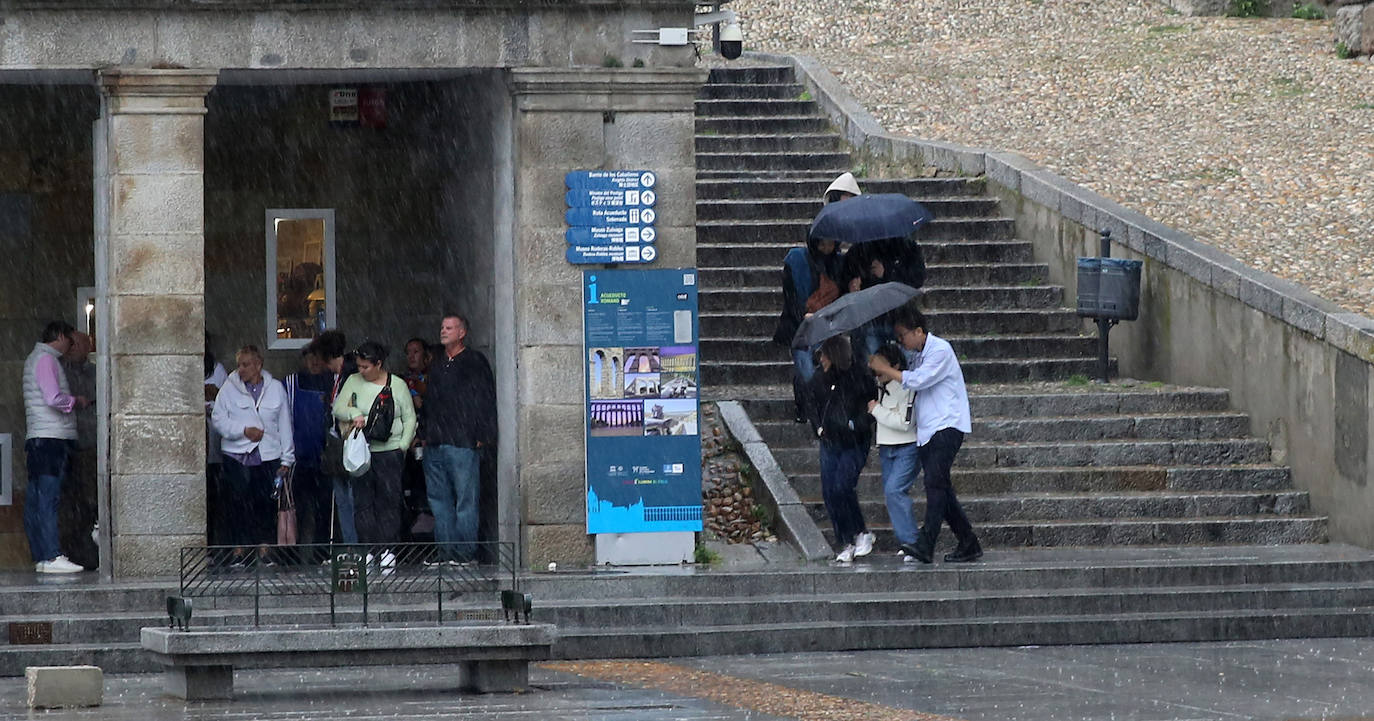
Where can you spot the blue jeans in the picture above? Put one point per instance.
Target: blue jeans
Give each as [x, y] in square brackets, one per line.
[452, 479]
[840, 469]
[871, 336]
[46, 461]
[900, 466]
[343, 501]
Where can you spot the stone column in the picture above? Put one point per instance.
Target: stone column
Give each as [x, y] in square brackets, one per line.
[579, 119]
[150, 270]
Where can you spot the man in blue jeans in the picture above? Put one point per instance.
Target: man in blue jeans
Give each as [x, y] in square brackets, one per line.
[48, 407]
[460, 418]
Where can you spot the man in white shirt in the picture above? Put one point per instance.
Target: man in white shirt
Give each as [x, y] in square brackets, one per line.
[942, 420]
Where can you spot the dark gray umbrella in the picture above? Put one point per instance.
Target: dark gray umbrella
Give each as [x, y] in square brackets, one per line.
[851, 311]
[868, 218]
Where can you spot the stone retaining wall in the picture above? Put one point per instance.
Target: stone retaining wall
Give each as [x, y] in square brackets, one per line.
[1354, 19]
[1301, 366]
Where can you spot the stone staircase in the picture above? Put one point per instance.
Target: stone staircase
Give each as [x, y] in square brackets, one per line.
[1049, 462]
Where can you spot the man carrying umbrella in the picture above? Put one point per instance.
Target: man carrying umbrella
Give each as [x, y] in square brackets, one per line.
[942, 420]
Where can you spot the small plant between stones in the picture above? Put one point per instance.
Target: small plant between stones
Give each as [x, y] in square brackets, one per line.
[1246, 8]
[1343, 51]
[1308, 11]
[1077, 379]
[705, 556]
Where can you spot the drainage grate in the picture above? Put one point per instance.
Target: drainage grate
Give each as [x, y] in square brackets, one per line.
[28, 633]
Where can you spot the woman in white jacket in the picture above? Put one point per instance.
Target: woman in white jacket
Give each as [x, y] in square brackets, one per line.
[253, 418]
[894, 412]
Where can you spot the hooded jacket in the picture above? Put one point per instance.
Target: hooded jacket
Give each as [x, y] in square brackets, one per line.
[236, 411]
[801, 271]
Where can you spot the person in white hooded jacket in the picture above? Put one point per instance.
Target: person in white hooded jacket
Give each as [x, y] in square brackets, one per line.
[894, 412]
[253, 418]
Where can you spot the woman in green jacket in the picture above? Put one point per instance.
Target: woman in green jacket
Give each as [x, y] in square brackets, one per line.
[377, 494]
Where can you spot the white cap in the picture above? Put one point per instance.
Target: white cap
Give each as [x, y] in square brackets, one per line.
[846, 183]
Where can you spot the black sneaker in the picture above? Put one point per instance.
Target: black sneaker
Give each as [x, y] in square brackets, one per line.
[916, 552]
[965, 554]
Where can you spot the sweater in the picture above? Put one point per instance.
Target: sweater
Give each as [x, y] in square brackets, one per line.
[355, 399]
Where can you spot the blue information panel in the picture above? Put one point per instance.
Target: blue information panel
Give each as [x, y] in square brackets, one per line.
[640, 332]
[611, 216]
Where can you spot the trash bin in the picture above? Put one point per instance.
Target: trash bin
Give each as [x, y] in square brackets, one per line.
[1109, 288]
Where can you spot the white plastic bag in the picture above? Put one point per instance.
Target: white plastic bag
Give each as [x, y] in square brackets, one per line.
[357, 457]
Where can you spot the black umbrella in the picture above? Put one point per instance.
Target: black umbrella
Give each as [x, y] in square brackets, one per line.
[869, 217]
[851, 311]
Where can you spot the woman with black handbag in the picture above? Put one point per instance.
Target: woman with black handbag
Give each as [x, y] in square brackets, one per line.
[389, 424]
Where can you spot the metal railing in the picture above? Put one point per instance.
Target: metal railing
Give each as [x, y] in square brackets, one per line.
[349, 571]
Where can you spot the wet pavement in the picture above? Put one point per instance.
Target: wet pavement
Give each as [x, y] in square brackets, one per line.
[1265, 680]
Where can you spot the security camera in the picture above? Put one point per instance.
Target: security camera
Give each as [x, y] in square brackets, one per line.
[731, 41]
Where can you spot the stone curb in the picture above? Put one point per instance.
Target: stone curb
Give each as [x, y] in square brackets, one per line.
[794, 523]
[1281, 299]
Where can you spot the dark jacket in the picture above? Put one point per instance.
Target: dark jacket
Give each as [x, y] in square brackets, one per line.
[840, 406]
[801, 270]
[902, 259]
[460, 401]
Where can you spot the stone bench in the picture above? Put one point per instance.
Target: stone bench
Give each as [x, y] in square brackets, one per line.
[494, 657]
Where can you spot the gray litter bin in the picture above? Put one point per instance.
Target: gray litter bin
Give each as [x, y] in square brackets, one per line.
[1109, 288]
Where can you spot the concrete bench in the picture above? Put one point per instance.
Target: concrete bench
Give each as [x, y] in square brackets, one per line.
[494, 657]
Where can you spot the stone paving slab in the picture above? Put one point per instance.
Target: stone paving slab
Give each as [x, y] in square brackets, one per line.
[1264, 681]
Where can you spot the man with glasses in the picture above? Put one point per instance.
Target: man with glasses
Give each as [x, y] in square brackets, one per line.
[942, 420]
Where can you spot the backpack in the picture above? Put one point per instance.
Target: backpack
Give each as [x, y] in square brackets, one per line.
[381, 416]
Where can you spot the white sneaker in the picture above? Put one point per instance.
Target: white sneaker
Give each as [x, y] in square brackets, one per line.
[95, 533]
[388, 562]
[864, 544]
[847, 555]
[58, 565]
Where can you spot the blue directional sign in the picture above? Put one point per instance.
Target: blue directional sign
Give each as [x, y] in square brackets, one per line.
[610, 215]
[604, 216]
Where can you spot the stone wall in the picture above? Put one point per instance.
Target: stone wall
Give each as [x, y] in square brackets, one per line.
[1300, 366]
[45, 240]
[1355, 27]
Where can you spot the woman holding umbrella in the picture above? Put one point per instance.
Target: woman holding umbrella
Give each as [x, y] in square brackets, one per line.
[839, 415]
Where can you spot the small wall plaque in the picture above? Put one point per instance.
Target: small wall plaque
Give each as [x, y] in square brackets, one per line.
[28, 633]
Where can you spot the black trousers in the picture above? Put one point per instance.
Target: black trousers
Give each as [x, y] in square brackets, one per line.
[377, 499]
[942, 505]
[249, 514]
[76, 510]
[313, 492]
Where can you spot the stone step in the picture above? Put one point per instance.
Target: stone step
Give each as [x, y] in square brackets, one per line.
[789, 233]
[951, 206]
[751, 91]
[978, 454]
[1173, 426]
[760, 74]
[127, 657]
[767, 402]
[933, 298]
[748, 175]
[840, 635]
[983, 510]
[809, 161]
[969, 348]
[738, 372]
[45, 598]
[793, 143]
[1194, 531]
[719, 324]
[775, 189]
[769, 254]
[754, 108]
[749, 125]
[1036, 569]
[1082, 479]
[576, 617]
[939, 275]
